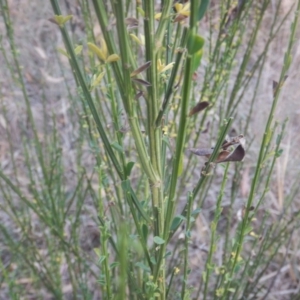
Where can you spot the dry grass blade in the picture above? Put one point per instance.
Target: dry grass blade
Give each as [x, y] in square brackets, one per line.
[202, 151]
[139, 94]
[141, 69]
[52, 20]
[275, 85]
[132, 22]
[199, 107]
[237, 154]
[233, 141]
[142, 82]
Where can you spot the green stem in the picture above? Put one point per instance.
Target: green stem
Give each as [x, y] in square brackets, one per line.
[208, 267]
[205, 172]
[86, 93]
[171, 87]
[164, 21]
[181, 136]
[155, 137]
[286, 65]
[104, 238]
[186, 243]
[127, 94]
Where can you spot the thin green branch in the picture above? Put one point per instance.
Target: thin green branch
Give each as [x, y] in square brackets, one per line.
[87, 94]
[244, 225]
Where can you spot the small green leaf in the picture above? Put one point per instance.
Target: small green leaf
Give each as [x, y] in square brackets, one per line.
[153, 260]
[195, 43]
[128, 190]
[278, 139]
[98, 51]
[176, 222]
[117, 147]
[97, 79]
[102, 280]
[78, 49]
[114, 265]
[143, 266]
[101, 259]
[112, 58]
[237, 268]
[196, 211]
[141, 11]
[129, 167]
[268, 136]
[61, 20]
[169, 253]
[165, 139]
[279, 152]
[133, 236]
[197, 60]
[269, 155]
[97, 251]
[188, 234]
[202, 9]
[145, 231]
[63, 52]
[248, 229]
[159, 241]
